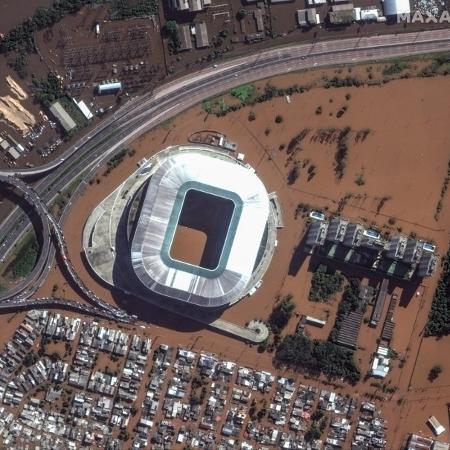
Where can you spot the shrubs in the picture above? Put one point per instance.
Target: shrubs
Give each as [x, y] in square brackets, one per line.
[434, 372]
[278, 119]
[340, 156]
[251, 116]
[26, 258]
[439, 317]
[324, 284]
[293, 174]
[298, 352]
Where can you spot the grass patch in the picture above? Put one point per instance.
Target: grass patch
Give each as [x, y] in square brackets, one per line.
[244, 93]
[26, 257]
[395, 68]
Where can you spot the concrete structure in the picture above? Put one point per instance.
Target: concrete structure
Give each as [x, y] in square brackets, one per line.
[62, 116]
[184, 182]
[394, 7]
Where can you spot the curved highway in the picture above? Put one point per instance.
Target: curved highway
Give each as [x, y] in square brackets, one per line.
[145, 112]
[17, 296]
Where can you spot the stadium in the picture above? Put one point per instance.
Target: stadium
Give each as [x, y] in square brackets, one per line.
[193, 225]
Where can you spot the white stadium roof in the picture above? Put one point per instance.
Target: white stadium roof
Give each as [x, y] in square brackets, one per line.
[215, 174]
[394, 7]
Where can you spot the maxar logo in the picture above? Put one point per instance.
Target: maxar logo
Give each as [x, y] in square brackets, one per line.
[420, 17]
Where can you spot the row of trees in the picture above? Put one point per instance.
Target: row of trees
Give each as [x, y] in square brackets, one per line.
[439, 317]
[301, 353]
[21, 37]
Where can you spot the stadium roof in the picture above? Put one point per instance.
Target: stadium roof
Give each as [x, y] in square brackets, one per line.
[214, 174]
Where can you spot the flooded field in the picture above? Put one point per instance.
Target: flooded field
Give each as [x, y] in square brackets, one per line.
[398, 148]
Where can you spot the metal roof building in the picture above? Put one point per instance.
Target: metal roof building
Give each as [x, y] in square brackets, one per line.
[62, 116]
[222, 179]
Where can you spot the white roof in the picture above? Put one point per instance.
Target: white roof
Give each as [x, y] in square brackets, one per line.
[216, 174]
[394, 7]
[85, 110]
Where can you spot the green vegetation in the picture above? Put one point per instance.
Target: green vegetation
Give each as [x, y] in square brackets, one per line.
[440, 65]
[444, 190]
[218, 107]
[298, 352]
[26, 257]
[170, 29]
[340, 156]
[46, 91]
[20, 65]
[350, 302]
[126, 9]
[279, 119]
[439, 317]
[74, 112]
[336, 82]
[244, 93]
[21, 37]
[359, 180]
[293, 174]
[434, 372]
[324, 284]
[395, 68]
[281, 314]
[117, 159]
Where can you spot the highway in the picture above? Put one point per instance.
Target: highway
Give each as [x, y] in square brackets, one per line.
[149, 110]
[19, 295]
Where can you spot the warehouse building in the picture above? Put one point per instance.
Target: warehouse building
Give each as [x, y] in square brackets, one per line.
[62, 116]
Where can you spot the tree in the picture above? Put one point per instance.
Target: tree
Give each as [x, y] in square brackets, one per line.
[434, 373]
[241, 14]
[279, 119]
[324, 284]
[281, 314]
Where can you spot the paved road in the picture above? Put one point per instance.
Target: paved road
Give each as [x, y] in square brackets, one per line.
[145, 112]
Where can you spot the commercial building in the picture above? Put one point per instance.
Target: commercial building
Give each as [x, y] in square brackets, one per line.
[396, 7]
[399, 256]
[62, 116]
[109, 87]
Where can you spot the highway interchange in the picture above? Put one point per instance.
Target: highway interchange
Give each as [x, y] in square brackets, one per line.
[80, 161]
